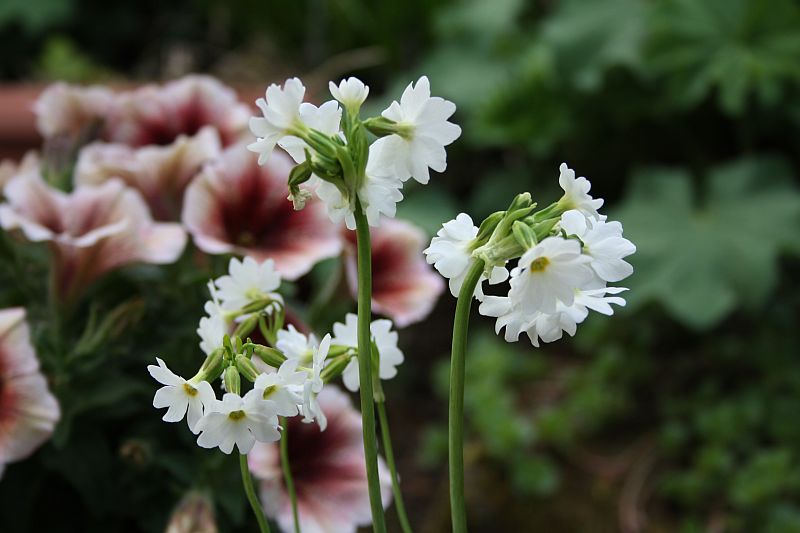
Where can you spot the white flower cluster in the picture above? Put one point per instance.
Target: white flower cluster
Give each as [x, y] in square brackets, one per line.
[413, 135]
[559, 279]
[285, 387]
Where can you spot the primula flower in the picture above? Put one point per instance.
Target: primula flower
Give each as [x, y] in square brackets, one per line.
[325, 119]
[424, 132]
[161, 114]
[549, 273]
[379, 193]
[310, 356]
[91, 230]
[71, 110]
[248, 281]
[281, 110]
[295, 345]
[236, 206]
[284, 387]
[212, 328]
[450, 254]
[160, 173]
[404, 287]
[28, 410]
[181, 397]
[576, 193]
[385, 339]
[239, 421]
[603, 242]
[350, 92]
[327, 468]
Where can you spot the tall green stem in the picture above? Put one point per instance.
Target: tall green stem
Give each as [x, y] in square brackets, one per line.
[247, 482]
[287, 474]
[365, 368]
[458, 511]
[386, 437]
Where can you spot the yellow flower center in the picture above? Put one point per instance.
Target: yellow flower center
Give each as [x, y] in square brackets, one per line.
[539, 264]
[188, 389]
[236, 415]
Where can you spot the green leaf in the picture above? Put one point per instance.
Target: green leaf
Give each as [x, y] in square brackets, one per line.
[702, 260]
[736, 47]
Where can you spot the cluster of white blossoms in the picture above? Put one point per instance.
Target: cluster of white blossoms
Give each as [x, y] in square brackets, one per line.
[287, 374]
[568, 253]
[334, 157]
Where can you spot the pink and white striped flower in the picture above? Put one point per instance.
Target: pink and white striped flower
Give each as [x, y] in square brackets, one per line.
[28, 410]
[404, 287]
[160, 173]
[71, 110]
[328, 469]
[91, 231]
[160, 114]
[236, 206]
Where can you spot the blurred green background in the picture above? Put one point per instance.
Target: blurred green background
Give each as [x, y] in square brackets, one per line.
[681, 414]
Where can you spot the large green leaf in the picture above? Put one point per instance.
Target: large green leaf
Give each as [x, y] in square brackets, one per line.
[736, 47]
[704, 258]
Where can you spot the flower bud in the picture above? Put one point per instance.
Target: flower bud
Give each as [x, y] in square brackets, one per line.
[246, 368]
[246, 326]
[523, 234]
[488, 226]
[270, 356]
[233, 382]
[335, 368]
[211, 368]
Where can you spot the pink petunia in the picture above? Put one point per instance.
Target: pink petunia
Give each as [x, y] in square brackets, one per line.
[92, 230]
[160, 173]
[328, 471]
[236, 206]
[28, 410]
[404, 287]
[160, 114]
[71, 110]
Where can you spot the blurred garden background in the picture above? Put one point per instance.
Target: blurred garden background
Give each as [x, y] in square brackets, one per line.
[680, 414]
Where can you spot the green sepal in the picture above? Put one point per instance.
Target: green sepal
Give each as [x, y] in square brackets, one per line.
[246, 368]
[233, 382]
[524, 235]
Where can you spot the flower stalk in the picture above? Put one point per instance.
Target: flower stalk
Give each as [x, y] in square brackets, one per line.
[388, 452]
[365, 366]
[247, 482]
[456, 405]
[287, 474]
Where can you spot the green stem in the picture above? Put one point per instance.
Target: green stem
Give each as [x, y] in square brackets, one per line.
[389, 454]
[365, 368]
[456, 415]
[247, 482]
[287, 474]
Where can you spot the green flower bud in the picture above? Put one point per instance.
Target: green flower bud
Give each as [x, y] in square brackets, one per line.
[270, 356]
[488, 226]
[211, 368]
[232, 380]
[246, 368]
[335, 368]
[523, 234]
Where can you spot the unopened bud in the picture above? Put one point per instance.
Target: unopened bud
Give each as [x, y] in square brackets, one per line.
[270, 356]
[488, 226]
[233, 382]
[524, 235]
[246, 368]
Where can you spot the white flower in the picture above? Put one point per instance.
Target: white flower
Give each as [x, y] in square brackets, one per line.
[240, 421]
[212, 328]
[281, 112]
[603, 242]
[314, 384]
[549, 273]
[549, 327]
[425, 131]
[284, 387]
[181, 397]
[350, 92]
[450, 254]
[294, 344]
[325, 119]
[248, 281]
[576, 193]
[385, 339]
[379, 194]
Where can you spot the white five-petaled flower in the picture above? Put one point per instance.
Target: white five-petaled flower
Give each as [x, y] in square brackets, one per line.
[313, 385]
[424, 132]
[450, 254]
[350, 92]
[281, 112]
[603, 242]
[576, 193]
[213, 327]
[549, 273]
[295, 345]
[181, 397]
[248, 281]
[379, 193]
[385, 339]
[325, 119]
[284, 387]
[239, 421]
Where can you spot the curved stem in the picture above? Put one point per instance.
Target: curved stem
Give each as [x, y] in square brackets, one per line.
[287, 474]
[365, 367]
[247, 482]
[458, 511]
[386, 438]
